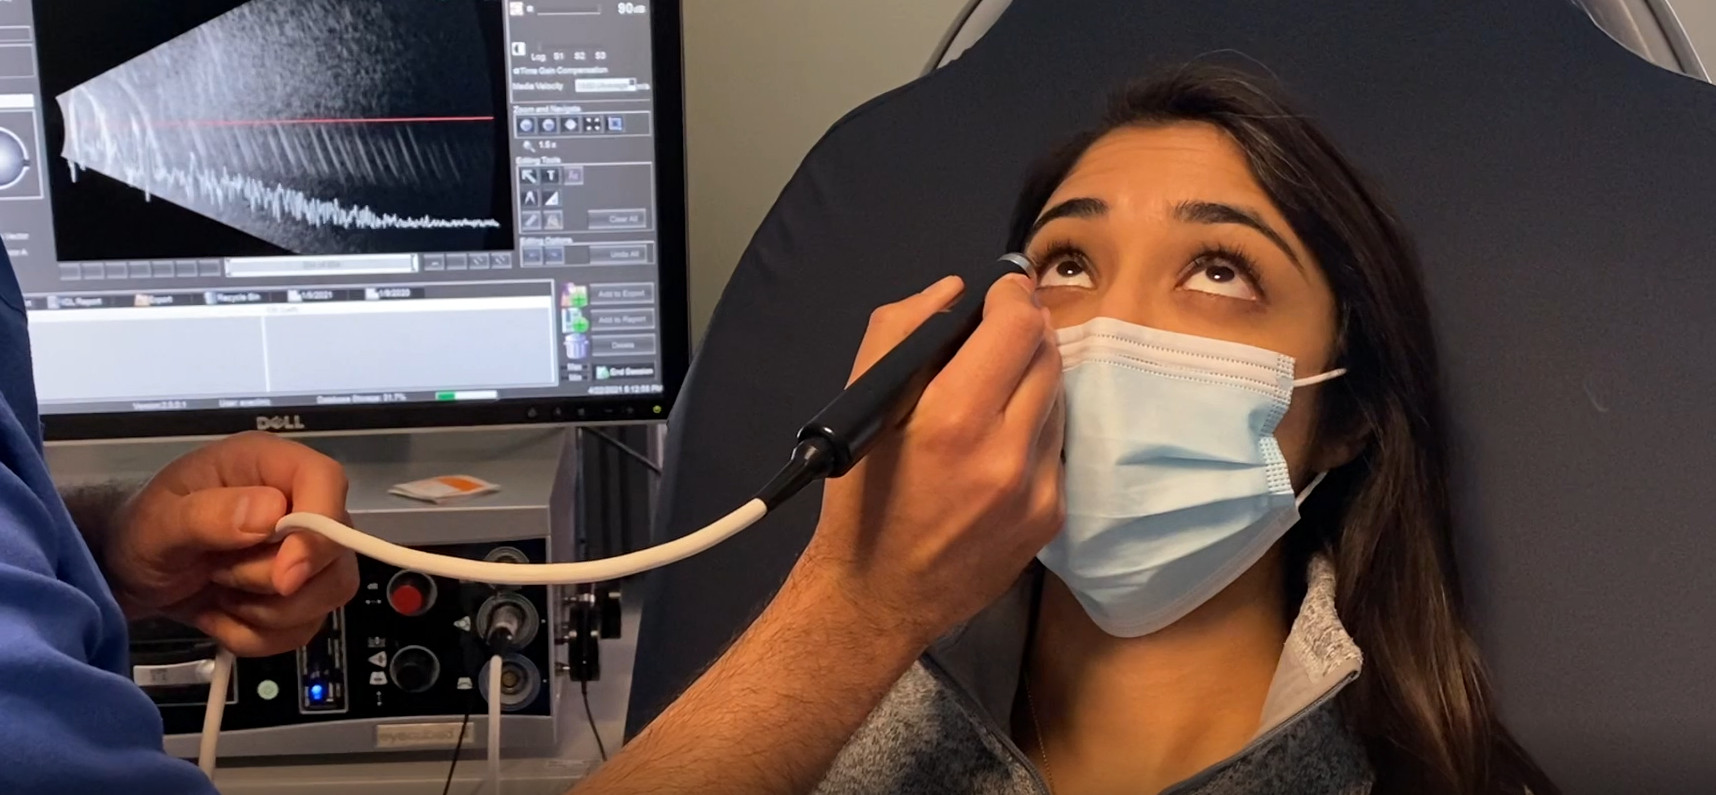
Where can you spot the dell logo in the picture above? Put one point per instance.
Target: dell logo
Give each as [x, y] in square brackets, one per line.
[291, 422]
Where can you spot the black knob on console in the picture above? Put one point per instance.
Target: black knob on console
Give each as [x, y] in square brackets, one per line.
[608, 603]
[415, 669]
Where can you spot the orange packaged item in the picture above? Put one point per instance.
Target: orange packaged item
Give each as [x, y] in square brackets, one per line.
[444, 489]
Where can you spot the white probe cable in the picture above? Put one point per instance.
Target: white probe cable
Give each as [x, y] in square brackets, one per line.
[217, 707]
[579, 573]
[495, 664]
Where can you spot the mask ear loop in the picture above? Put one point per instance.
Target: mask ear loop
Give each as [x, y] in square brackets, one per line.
[1311, 381]
[1318, 379]
[1300, 500]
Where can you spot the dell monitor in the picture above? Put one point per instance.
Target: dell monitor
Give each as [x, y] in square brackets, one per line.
[308, 215]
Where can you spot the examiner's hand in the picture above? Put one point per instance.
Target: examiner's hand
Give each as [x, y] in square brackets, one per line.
[192, 545]
[944, 515]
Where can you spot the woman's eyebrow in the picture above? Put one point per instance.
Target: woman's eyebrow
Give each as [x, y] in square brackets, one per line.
[1191, 211]
[1205, 212]
[1071, 208]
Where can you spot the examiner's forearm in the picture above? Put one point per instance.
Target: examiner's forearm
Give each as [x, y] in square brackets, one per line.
[771, 715]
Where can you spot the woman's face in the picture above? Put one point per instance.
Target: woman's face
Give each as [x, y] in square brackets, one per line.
[1166, 227]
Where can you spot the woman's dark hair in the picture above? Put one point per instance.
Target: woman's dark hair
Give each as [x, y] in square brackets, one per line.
[1423, 706]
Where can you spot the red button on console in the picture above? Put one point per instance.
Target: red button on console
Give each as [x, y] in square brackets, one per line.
[406, 599]
[411, 593]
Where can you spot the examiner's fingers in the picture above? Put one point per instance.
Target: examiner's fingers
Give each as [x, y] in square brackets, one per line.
[983, 375]
[217, 520]
[320, 596]
[251, 571]
[304, 556]
[892, 323]
[244, 640]
[280, 569]
[1032, 405]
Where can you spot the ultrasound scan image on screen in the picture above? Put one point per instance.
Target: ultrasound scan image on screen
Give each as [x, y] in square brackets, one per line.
[259, 204]
[277, 126]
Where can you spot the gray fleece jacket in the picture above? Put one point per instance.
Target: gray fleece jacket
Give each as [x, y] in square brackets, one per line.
[945, 726]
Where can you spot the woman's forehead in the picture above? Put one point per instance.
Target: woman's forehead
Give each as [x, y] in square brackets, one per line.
[1161, 165]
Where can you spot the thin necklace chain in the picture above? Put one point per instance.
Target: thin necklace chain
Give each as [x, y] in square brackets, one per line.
[1037, 729]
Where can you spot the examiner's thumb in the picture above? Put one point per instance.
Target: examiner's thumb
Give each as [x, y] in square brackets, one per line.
[224, 519]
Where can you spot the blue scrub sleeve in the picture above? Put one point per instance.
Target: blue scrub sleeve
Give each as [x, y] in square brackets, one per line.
[70, 722]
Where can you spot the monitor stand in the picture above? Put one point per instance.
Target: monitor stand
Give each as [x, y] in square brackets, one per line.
[537, 469]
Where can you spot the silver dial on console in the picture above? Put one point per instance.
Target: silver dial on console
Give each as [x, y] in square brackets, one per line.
[520, 682]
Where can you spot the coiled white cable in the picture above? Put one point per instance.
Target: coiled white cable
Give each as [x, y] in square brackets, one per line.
[579, 573]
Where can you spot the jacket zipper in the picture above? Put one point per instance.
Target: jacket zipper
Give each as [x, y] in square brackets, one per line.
[987, 723]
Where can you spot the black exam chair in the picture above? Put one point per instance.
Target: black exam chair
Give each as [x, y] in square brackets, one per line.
[1563, 192]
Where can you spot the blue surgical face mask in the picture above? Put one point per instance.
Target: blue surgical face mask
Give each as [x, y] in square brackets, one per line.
[1174, 482]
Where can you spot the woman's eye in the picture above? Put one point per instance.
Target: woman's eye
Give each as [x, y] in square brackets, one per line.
[1065, 272]
[1220, 276]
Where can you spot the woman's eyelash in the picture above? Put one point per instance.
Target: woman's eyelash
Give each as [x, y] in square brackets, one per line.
[1234, 257]
[1059, 252]
[1056, 253]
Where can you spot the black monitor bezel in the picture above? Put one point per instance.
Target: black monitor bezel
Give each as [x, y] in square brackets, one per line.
[667, 42]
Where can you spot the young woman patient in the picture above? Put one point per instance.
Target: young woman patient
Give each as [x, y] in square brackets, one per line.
[1242, 328]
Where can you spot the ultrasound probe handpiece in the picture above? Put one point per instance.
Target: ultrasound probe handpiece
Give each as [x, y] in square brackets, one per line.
[886, 394]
